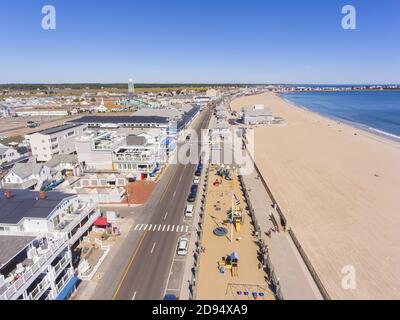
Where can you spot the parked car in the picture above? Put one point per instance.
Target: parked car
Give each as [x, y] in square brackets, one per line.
[170, 297]
[189, 211]
[196, 180]
[198, 173]
[192, 198]
[183, 247]
[194, 188]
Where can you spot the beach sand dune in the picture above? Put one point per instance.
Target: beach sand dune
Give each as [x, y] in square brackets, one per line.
[340, 189]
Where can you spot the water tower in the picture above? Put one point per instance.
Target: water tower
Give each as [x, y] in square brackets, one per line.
[131, 88]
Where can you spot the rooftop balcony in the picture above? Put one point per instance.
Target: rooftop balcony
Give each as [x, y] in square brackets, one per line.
[19, 281]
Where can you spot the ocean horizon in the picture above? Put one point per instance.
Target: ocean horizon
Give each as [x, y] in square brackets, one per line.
[376, 111]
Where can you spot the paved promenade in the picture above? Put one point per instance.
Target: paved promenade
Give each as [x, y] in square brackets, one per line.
[294, 278]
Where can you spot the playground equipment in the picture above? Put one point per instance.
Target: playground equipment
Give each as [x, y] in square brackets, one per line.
[224, 173]
[220, 232]
[217, 183]
[230, 262]
[236, 213]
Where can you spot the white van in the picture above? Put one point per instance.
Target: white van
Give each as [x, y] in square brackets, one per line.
[196, 180]
[183, 247]
[189, 211]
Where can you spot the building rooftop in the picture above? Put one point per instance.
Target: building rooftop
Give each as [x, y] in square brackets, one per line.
[62, 158]
[10, 246]
[3, 150]
[256, 112]
[122, 119]
[59, 129]
[132, 140]
[25, 170]
[25, 204]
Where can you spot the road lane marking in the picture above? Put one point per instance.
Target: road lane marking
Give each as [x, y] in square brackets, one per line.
[129, 266]
[145, 227]
[187, 228]
[137, 226]
[164, 228]
[141, 226]
[166, 214]
[159, 227]
[168, 228]
[152, 249]
[151, 226]
[134, 296]
[180, 179]
[169, 183]
[182, 228]
[174, 194]
[173, 227]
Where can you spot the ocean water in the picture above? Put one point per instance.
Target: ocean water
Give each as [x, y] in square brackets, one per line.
[377, 111]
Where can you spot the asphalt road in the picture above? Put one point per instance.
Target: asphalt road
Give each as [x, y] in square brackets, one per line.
[146, 274]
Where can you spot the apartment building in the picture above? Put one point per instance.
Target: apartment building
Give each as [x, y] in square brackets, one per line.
[37, 232]
[58, 140]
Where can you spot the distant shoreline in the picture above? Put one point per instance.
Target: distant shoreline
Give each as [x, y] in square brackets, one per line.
[356, 125]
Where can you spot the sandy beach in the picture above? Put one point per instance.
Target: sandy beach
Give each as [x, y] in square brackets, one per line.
[339, 187]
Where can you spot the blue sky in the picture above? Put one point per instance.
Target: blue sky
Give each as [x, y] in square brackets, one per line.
[208, 41]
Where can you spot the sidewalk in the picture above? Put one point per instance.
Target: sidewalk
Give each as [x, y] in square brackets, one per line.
[295, 280]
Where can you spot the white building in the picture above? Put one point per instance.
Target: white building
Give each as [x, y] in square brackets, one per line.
[29, 175]
[139, 155]
[257, 114]
[58, 140]
[37, 231]
[7, 112]
[8, 155]
[102, 108]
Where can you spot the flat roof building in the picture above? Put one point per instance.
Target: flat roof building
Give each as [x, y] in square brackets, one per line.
[58, 140]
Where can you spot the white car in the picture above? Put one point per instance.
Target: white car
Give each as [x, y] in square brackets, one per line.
[189, 211]
[196, 180]
[183, 247]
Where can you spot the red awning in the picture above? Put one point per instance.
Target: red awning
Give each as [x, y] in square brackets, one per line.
[101, 222]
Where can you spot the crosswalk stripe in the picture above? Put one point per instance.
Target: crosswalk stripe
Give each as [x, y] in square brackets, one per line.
[162, 228]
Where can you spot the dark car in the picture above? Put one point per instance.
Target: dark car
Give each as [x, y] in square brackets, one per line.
[198, 173]
[192, 197]
[194, 188]
[170, 297]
